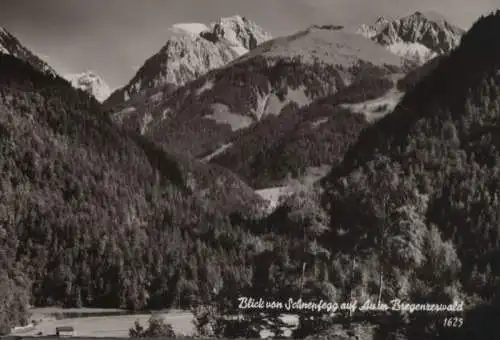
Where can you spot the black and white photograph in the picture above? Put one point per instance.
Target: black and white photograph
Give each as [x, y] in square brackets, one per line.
[229, 169]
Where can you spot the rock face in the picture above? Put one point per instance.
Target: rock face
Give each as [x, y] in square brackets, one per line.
[91, 83]
[10, 45]
[192, 50]
[418, 37]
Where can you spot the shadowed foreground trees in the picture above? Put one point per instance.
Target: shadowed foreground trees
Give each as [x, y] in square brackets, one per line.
[95, 217]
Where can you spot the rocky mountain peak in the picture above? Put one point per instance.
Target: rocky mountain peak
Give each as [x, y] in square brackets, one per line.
[238, 30]
[193, 49]
[419, 36]
[90, 82]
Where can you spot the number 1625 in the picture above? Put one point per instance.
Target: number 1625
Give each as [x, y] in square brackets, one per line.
[454, 322]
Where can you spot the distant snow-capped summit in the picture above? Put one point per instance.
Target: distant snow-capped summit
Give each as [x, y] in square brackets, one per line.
[92, 83]
[417, 37]
[193, 49]
[9, 44]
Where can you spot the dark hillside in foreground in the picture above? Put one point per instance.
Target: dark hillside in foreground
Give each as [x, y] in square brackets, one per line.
[419, 73]
[95, 217]
[420, 188]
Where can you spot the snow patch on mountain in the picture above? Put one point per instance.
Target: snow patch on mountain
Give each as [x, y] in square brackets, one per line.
[418, 37]
[271, 104]
[222, 115]
[413, 51]
[377, 108]
[298, 96]
[91, 83]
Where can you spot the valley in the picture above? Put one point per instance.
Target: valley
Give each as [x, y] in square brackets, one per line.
[331, 165]
[94, 325]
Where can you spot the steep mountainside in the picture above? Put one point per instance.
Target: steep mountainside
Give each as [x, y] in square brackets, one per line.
[415, 201]
[192, 49]
[10, 45]
[417, 74]
[299, 139]
[208, 113]
[91, 83]
[95, 216]
[418, 37]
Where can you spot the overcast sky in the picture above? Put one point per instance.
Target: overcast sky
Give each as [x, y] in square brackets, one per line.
[114, 37]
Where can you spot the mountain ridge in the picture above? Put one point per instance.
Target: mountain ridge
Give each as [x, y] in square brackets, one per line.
[417, 37]
[9, 44]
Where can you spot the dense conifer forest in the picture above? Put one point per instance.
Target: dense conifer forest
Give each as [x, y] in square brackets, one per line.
[426, 178]
[93, 216]
[412, 210]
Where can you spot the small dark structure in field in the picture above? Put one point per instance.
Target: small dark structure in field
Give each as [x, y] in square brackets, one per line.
[65, 331]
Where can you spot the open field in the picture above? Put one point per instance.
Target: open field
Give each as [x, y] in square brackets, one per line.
[100, 326]
[52, 310]
[274, 195]
[93, 325]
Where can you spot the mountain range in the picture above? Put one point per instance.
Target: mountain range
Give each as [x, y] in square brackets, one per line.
[384, 142]
[292, 70]
[219, 103]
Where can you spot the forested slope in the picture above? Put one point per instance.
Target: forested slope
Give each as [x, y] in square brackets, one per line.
[411, 212]
[425, 179]
[299, 138]
[95, 216]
